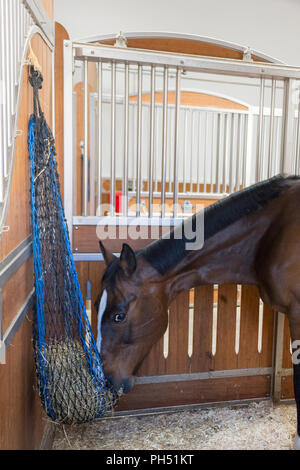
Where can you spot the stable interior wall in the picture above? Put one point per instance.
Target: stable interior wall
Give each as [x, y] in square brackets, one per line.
[22, 420]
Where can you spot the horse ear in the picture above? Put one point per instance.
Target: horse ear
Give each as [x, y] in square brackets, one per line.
[128, 260]
[107, 255]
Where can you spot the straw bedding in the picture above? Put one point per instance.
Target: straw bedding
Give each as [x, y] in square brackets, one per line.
[256, 426]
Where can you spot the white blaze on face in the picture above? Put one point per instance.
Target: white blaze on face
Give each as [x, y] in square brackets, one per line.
[102, 307]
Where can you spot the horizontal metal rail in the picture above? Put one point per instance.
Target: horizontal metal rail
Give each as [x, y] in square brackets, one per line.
[187, 62]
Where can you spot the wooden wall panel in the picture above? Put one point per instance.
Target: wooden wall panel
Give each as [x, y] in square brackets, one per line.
[22, 419]
[202, 359]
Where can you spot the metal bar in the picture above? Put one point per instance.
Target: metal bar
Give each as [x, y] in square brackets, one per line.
[189, 63]
[151, 141]
[260, 139]
[218, 154]
[164, 141]
[11, 264]
[271, 136]
[192, 150]
[238, 150]
[86, 141]
[204, 375]
[231, 154]
[225, 138]
[126, 139]
[176, 141]
[204, 155]
[100, 111]
[297, 135]
[245, 144]
[113, 141]
[185, 149]
[198, 154]
[288, 153]
[139, 144]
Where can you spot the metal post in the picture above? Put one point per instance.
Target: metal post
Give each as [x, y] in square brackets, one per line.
[218, 154]
[68, 134]
[288, 154]
[100, 110]
[113, 142]
[151, 143]
[271, 137]
[86, 140]
[260, 140]
[225, 139]
[238, 150]
[139, 143]
[277, 356]
[164, 142]
[176, 140]
[126, 140]
[231, 154]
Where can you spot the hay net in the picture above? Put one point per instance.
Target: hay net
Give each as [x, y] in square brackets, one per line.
[70, 375]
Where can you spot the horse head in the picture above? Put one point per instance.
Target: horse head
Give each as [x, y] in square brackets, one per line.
[132, 315]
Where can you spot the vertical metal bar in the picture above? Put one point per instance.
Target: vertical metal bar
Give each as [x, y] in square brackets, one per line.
[185, 149]
[271, 136]
[68, 134]
[260, 139]
[139, 143]
[245, 145]
[126, 140]
[176, 140]
[231, 154]
[164, 141]
[225, 139]
[287, 156]
[151, 143]
[198, 153]
[238, 150]
[298, 134]
[113, 142]
[192, 151]
[212, 152]
[218, 154]
[86, 137]
[204, 155]
[100, 111]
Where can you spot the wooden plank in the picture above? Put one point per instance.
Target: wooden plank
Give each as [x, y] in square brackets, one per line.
[178, 361]
[226, 357]
[266, 354]
[22, 420]
[248, 355]
[287, 388]
[202, 359]
[183, 46]
[195, 392]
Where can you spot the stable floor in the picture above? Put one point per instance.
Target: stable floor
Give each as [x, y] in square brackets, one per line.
[256, 426]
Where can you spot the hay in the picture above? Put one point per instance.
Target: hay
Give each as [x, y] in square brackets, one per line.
[257, 426]
[75, 395]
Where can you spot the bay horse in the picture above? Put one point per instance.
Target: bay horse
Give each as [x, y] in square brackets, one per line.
[250, 237]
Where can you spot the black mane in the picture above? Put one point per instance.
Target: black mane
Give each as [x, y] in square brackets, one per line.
[164, 253]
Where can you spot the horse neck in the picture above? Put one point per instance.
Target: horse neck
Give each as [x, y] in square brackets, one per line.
[226, 258]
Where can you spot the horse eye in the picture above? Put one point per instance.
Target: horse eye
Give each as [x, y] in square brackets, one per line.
[119, 317]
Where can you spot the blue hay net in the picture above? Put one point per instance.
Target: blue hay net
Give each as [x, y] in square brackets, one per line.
[70, 376]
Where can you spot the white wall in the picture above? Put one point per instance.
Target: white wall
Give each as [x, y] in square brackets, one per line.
[271, 26]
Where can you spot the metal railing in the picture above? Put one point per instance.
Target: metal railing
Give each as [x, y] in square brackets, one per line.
[151, 150]
[19, 21]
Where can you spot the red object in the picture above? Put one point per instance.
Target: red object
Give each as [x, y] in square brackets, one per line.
[118, 202]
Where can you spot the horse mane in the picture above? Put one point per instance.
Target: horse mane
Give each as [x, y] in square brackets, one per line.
[165, 253]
